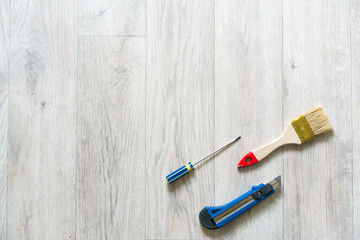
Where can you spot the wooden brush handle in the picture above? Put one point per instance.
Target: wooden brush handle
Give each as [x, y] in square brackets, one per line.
[289, 136]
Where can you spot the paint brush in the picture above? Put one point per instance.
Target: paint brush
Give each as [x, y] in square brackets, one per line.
[298, 131]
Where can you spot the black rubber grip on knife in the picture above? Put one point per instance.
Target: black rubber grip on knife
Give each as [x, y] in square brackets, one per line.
[268, 188]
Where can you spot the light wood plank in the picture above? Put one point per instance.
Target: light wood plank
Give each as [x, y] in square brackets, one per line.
[111, 139]
[248, 99]
[317, 61]
[355, 46]
[4, 82]
[126, 147]
[318, 191]
[42, 105]
[112, 18]
[318, 194]
[180, 116]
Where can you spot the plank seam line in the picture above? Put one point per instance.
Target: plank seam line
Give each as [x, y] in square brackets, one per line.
[8, 117]
[282, 110]
[145, 168]
[352, 114]
[214, 108]
[111, 36]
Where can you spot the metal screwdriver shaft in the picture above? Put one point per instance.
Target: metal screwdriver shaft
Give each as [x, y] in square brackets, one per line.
[186, 169]
[216, 151]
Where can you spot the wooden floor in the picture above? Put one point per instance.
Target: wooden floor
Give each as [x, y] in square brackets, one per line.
[100, 100]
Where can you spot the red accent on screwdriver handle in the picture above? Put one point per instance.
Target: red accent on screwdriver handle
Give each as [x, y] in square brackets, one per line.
[248, 160]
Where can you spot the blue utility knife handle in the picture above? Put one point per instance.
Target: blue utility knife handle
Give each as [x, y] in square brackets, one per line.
[215, 211]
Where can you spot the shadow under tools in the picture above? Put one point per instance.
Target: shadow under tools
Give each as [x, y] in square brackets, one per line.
[182, 182]
[255, 212]
[207, 232]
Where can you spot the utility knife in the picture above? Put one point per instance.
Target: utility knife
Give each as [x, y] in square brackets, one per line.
[216, 217]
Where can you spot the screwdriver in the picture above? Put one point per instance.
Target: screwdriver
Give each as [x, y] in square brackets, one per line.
[186, 169]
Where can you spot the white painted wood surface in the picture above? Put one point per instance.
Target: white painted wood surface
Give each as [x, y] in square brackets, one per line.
[100, 100]
[111, 138]
[317, 62]
[248, 101]
[318, 183]
[4, 82]
[318, 198]
[42, 120]
[112, 18]
[355, 67]
[179, 116]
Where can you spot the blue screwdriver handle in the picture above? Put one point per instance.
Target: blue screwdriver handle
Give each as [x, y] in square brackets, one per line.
[179, 173]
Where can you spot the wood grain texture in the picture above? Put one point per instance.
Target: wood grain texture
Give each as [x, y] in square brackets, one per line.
[248, 102]
[317, 70]
[111, 139]
[355, 57]
[180, 116]
[316, 64]
[42, 107]
[101, 99]
[4, 83]
[112, 18]
[318, 197]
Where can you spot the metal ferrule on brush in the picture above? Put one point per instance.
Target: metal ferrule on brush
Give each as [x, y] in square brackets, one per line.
[302, 128]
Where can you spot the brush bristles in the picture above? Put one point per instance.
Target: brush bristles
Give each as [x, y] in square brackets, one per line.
[318, 120]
